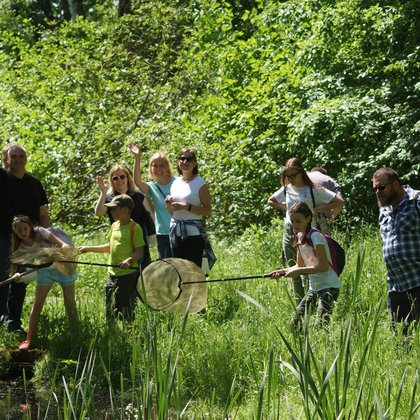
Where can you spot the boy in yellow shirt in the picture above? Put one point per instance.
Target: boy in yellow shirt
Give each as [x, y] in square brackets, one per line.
[125, 248]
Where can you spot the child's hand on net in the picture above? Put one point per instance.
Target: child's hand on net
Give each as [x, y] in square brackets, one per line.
[277, 273]
[17, 277]
[126, 263]
[292, 271]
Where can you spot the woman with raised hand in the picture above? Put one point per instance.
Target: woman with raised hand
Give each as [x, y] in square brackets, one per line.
[120, 181]
[158, 188]
[189, 203]
[297, 187]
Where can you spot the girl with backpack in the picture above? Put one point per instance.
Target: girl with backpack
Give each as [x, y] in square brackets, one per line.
[313, 259]
[28, 238]
[296, 187]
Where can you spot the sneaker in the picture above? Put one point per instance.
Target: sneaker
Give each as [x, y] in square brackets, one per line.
[24, 345]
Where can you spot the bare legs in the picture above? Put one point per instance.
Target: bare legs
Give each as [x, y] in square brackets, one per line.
[41, 294]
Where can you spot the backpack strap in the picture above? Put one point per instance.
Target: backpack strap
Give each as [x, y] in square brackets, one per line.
[330, 247]
[163, 195]
[132, 227]
[312, 196]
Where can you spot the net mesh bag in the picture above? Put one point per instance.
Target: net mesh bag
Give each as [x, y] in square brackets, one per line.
[53, 256]
[161, 286]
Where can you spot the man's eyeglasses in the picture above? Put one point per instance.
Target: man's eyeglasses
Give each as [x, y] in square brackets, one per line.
[186, 158]
[292, 176]
[381, 187]
[116, 178]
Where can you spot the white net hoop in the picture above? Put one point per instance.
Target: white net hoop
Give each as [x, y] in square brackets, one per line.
[161, 286]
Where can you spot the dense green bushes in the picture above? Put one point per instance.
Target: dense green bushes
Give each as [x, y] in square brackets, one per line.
[332, 82]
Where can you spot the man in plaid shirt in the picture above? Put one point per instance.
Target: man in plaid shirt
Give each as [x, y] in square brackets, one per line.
[399, 219]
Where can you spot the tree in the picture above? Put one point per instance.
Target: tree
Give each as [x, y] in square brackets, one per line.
[124, 7]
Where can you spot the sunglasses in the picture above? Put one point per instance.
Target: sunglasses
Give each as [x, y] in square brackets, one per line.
[116, 178]
[292, 176]
[21, 218]
[186, 158]
[381, 187]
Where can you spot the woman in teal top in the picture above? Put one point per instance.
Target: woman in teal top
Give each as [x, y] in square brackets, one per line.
[157, 189]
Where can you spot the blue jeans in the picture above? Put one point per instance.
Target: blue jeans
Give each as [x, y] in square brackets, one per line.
[12, 296]
[17, 293]
[164, 247]
[4, 266]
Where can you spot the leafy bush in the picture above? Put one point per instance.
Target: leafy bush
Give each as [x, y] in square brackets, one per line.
[248, 84]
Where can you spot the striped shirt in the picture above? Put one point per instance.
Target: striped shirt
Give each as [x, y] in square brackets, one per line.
[400, 232]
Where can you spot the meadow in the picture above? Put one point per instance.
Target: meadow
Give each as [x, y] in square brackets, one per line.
[238, 359]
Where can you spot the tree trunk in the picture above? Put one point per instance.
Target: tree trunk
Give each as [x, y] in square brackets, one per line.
[75, 8]
[124, 7]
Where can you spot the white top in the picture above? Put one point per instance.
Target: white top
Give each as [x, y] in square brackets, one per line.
[318, 281]
[187, 192]
[42, 235]
[296, 194]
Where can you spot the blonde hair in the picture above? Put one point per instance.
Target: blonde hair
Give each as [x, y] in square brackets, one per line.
[131, 187]
[155, 157]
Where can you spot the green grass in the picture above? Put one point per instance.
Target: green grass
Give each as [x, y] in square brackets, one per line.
[239, 359]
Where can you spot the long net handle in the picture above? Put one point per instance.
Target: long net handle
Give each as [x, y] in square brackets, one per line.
[11, 279]
[44, 265]
[260, 276]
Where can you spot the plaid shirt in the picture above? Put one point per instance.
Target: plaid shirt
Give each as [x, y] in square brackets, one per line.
[400, 231]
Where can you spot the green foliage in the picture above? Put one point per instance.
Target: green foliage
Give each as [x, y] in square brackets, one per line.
[248, 83]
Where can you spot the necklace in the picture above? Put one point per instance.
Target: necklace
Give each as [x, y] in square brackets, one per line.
[189, 180]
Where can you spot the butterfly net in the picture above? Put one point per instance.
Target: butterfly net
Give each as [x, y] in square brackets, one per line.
[161, 286]
[52, 256]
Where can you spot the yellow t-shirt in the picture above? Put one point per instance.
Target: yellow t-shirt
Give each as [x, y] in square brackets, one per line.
[121, 246]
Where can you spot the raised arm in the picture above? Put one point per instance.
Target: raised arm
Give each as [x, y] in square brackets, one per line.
[141, 185]
[100, 208]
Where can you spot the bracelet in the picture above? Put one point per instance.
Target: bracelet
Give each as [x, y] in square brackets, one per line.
[189, 207]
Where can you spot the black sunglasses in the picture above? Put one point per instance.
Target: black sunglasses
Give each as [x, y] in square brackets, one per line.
[116, 178]
[381, 187]
[292, 176]
[186, 158]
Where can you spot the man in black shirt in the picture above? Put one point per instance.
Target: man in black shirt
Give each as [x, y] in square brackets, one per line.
[22, 194]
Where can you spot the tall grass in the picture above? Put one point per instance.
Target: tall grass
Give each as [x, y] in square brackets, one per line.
[238, 359]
